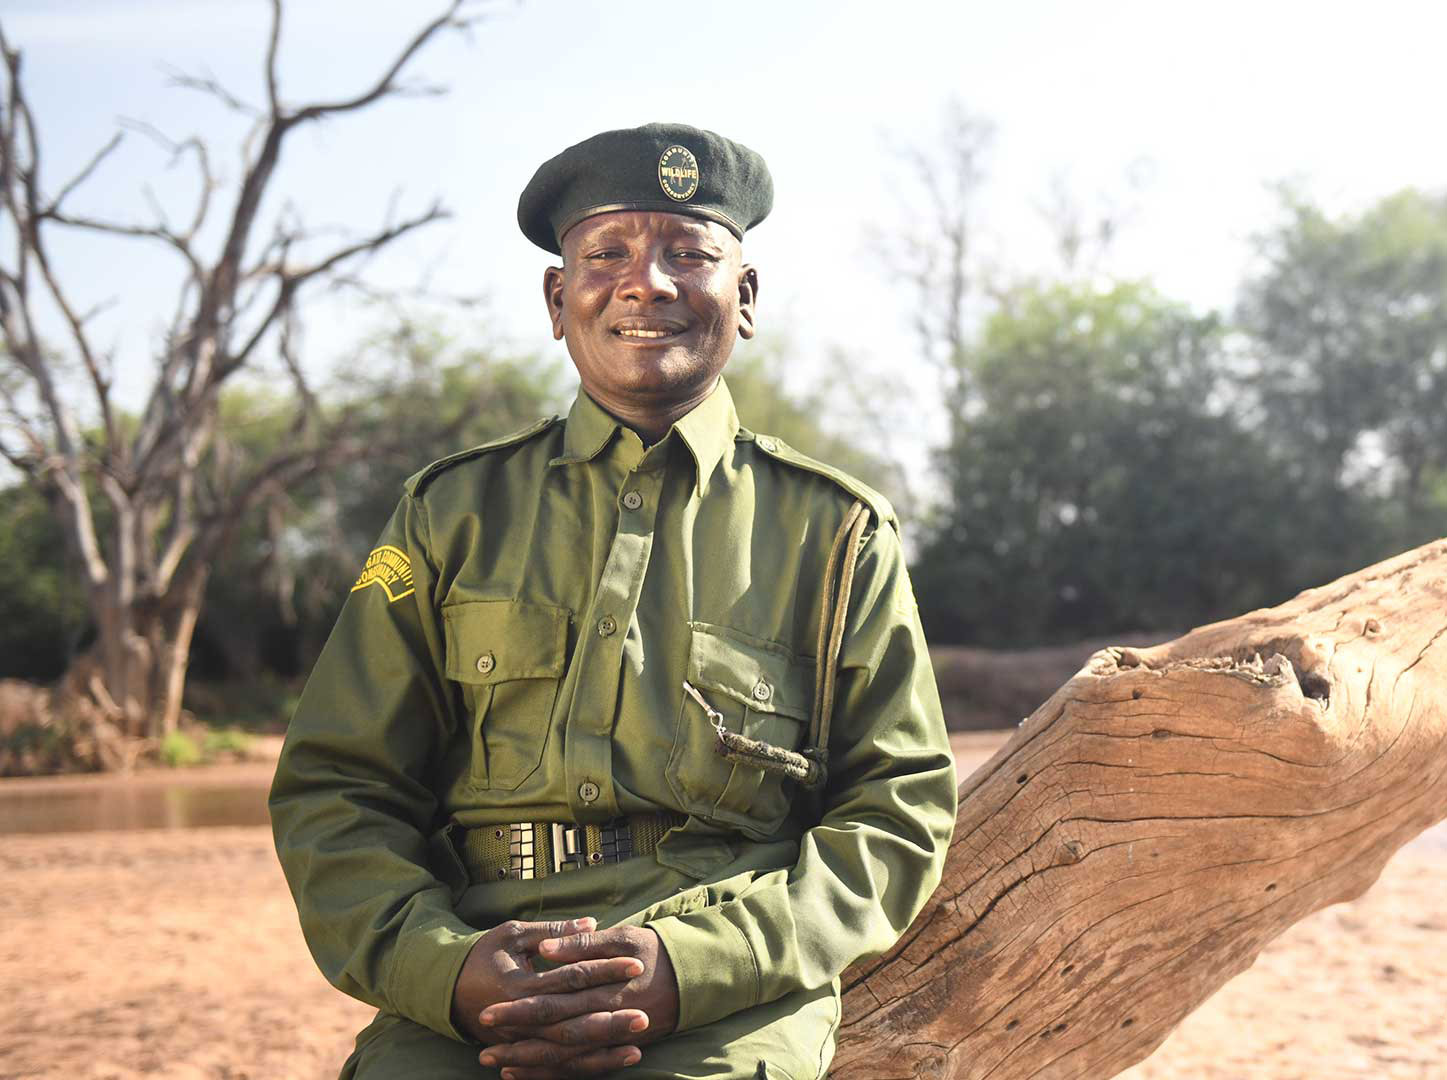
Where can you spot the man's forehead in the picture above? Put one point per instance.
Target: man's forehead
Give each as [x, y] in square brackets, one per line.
[636, 222]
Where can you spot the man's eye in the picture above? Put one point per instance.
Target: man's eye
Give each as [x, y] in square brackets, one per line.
[601, 255]
[692, 253]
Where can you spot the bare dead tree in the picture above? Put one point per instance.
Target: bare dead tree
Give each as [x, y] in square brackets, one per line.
[932, 253]
[1160, 818]
[171, 501]
[1084, 232]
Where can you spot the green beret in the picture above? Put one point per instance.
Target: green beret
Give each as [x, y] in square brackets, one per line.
[670, 167]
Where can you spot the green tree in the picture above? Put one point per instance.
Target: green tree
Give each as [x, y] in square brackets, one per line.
[44, 604]
[1347, 323]
[1098, 480]
[415, 396]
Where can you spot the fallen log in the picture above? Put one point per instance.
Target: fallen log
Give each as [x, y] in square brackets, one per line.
[1160, 818]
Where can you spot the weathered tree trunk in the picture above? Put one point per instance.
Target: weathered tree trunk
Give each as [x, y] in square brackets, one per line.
[1157, 821]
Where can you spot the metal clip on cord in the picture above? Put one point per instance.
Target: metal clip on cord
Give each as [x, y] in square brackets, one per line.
[762, 755]
[811, 767]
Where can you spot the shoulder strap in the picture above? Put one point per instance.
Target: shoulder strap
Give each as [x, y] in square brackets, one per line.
[419, 480]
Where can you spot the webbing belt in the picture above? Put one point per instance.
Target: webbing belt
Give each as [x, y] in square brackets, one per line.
[535, 849]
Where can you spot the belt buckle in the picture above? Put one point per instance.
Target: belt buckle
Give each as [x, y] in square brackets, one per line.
[522, 851]
[567, 847]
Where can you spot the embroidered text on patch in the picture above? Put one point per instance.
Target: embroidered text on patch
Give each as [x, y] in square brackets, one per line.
[391, 569]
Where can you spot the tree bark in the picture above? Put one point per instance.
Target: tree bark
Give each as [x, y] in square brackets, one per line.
[1160, 818]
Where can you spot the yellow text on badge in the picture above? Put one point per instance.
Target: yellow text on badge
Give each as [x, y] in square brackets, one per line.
[391, 569]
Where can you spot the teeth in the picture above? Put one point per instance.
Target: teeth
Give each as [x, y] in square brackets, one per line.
[645, 333]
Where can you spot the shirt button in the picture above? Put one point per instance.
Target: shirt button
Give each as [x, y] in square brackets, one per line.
[766, 443]
[632, 500]
[763, 691]
[607, 625]
[485, 664]
[588, 791]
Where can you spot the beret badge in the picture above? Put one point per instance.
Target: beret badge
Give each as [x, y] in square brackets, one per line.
[678, 173]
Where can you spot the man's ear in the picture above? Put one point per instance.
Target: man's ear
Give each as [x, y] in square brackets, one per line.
[748, 297]
[553, 294]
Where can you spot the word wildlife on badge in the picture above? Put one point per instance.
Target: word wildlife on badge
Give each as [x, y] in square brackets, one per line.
[678, 173]
[390, 568]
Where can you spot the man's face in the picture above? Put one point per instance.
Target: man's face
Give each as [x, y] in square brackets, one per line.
[649, 304]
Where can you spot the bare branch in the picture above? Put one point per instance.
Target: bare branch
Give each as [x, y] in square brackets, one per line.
[387, 83]
[178, 149]
[208, 84]
[24, 206]
[173, 240]
[20, 462]
[308, 413]
[289, 282]
[82, 520]
[273, 41]
[84, 174]
[27, 429]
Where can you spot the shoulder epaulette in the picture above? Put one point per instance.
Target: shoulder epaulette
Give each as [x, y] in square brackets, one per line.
[419, 480]
[780, 451]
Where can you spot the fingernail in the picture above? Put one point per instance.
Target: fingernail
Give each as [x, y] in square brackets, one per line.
[548, 945]
[634, 1058]
[636, 968]
[638, 1023]
[585, 923]
[488, 1060]
[488, 1017]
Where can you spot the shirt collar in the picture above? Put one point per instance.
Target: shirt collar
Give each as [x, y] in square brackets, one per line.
[708, 431]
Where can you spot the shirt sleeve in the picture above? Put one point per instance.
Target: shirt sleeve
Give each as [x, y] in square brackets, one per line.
[877, 853]
[351, 809]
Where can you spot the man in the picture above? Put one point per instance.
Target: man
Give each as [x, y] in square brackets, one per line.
[567, 689]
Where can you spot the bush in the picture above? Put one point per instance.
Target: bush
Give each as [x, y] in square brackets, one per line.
[228, 742]
[178, 750]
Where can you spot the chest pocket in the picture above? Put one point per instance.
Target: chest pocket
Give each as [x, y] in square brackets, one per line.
[508, 657]
[764, 692]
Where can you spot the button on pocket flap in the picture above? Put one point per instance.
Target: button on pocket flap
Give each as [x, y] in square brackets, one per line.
[492, 641]
[761, 674]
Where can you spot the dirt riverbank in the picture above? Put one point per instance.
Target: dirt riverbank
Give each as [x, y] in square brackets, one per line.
[174, 953]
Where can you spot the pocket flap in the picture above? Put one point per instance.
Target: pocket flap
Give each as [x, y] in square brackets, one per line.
[492, 641]
[763, 675]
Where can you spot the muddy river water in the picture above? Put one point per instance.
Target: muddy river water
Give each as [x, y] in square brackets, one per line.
[221, 795]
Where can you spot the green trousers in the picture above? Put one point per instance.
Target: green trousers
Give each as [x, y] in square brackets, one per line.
[792, 1039]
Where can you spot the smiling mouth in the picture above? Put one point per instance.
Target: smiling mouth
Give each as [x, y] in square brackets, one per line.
[647, 329]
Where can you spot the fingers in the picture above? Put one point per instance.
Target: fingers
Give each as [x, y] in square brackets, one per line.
[537, 1059]
[589, 1030]
[589, 945]
[520, 936]
[585, 974]
[546, 1009]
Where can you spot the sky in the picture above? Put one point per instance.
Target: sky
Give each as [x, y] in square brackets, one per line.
[1187, 114]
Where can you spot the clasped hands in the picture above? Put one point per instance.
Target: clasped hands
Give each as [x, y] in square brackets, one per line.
[611, 992]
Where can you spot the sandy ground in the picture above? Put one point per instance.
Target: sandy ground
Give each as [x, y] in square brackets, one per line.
[174, 953]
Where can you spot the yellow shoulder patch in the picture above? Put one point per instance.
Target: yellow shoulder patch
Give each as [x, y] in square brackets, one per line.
[390, 568]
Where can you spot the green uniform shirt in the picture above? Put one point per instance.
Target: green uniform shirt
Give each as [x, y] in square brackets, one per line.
[515, 651]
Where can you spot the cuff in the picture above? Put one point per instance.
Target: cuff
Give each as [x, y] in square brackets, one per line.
[717, 972]
[425, 976]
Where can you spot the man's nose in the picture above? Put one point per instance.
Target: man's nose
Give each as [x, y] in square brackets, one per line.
[648, 281]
